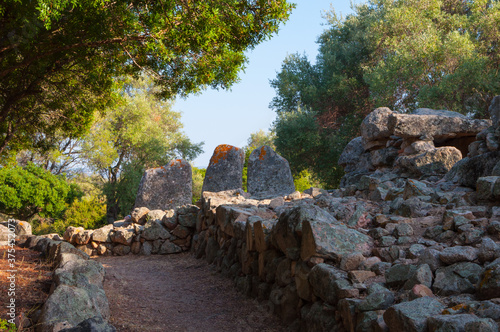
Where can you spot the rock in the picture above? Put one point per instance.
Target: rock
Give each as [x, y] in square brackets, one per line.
[122, 235]
[323, 279]
[225, 169]
[156, 215]
[187, 215]
[434, 162]
[360, 276]
[22, 228]
[467, 171]
[304, 289]
[457, 279]
[121, 250]
[153, 230]
[494, 111]
[450, 322]
[84, 237]
[420, 291]
[94, 324]
[488, 251]
[412, 315]
[166, 187]
[458, 254]
[489, 286]
[102, 234]
[319, 317]
[67, 304]
[437, 126]
[421, 276]
[481, 325]
[146, 248]
[169, 248]
[269, 174]
[326, 237]
[139, 215]
[353, 158]
[398, 274]
[181, 231]
[378, 298]
[376, 125]
[488, 188]
[71, 232]
[351, 261]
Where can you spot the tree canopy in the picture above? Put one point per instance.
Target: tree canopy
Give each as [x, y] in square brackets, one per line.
[59, 58]
[394, 53]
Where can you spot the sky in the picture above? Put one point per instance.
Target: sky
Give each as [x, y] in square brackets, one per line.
[230, 116]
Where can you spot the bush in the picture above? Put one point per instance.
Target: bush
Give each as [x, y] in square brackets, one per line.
[88, 212]
[32, 190]
[198, 176]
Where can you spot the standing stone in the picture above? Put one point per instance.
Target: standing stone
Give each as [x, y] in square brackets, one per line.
[269, 174]
[225, 171]
[166, 187]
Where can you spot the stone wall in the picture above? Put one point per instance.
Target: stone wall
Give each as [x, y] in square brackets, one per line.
[144, 232]
[77, 301]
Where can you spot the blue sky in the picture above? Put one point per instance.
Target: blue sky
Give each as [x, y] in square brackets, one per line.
[229, 117]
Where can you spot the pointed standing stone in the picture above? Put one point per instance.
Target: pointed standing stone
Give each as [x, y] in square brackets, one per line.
[166, 187]
[225, 171]
[269, 174]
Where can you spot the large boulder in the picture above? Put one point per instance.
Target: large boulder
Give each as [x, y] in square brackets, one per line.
[377, 125]
[440, 127]
[467, 171]
[67, 304]
[225, 171]
[433, 162]
[412, 316]
[354, 158]
[166, 187]
[328, 238]
[269, 174]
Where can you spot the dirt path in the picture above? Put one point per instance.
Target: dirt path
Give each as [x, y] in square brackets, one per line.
[178, 293]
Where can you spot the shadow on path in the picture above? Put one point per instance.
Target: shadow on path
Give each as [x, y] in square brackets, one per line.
[178, 293]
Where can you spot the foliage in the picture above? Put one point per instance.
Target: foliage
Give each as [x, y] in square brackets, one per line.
[59, 58]
[141, 132]
[6, 326]
[32, 190]
[198, 177]
[394, 53]
[88, 212]
[305, 180]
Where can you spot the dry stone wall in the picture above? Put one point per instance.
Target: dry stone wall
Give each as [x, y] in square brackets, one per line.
[77, 301]
[145, 232]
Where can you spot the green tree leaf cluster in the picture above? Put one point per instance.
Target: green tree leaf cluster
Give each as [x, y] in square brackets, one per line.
[32, 190]
[59, 58]
[141, 132]
[394, 53]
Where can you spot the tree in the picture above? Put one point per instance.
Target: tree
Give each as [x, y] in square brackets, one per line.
[142, 132]
[59, 58]
[32, 190]
[394, 53]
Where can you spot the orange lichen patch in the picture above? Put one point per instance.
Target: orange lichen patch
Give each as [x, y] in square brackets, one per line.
[263, 153]
[221, 152]
[487, 276]
[456, 308]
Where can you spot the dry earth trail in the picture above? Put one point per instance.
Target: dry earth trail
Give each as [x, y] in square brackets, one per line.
[178, 293]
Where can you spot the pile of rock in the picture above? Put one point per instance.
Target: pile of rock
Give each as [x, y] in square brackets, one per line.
[77, 301]
[424, 144]
[145, 232]
[397, 248]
